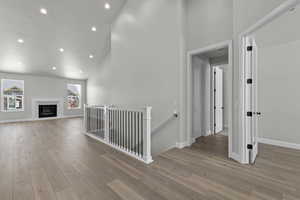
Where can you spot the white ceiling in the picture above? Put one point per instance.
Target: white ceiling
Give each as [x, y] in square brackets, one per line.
[283, 30]
[67, 25]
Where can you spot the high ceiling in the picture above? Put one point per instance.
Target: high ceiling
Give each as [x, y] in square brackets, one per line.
[283, 30]
[66, 25]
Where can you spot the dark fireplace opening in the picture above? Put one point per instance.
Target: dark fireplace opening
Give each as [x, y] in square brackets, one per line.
[47, 111]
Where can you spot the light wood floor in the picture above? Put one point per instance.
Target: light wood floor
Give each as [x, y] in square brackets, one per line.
[54, 160]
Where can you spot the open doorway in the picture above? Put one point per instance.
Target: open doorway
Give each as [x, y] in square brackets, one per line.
[270, 71]
[210, 105]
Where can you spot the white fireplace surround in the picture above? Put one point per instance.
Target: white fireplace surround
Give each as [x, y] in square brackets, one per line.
[37, 102]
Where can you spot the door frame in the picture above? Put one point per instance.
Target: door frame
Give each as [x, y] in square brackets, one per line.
[276, 13]
[190, 54]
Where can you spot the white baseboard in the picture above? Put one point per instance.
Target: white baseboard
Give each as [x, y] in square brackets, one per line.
[208, 133]
[181, 145]
[235, 157]
[42, 119]
[279, 143]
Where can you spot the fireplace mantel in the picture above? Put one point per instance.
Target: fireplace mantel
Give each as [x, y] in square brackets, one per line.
[37, 102]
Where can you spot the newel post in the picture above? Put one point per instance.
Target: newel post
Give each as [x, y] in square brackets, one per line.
[85, 121]
[106, 124]
[147, 136]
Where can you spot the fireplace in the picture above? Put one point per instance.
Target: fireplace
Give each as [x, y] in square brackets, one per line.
[46, 111]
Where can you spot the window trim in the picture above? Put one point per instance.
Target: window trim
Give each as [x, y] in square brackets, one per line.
[80, 97]
[2, 97]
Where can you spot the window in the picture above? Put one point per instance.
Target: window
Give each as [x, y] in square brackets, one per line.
[74, 96]
[12, 95]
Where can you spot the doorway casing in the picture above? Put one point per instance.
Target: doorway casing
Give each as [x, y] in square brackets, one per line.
[189, 113]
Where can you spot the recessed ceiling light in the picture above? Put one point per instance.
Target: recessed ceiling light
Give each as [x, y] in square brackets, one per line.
[91, 56]
[61, 50]
[107, 6]
[94, 29]
[20, 40]
[54, 68]
[80, 71]
[20, 63]
[43, 11]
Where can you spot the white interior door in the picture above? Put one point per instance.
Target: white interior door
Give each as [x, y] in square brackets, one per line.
[251, 99]
[219, 107]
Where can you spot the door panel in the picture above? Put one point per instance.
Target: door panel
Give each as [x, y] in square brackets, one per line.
[254, 100]
[218, 100]
[251, 99]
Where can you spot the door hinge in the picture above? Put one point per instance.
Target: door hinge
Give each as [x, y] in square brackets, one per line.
[249, 114]
[249, 48]
[250, 146]
[249, 81]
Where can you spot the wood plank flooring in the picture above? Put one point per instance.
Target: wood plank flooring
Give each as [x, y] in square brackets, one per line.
[53, 160]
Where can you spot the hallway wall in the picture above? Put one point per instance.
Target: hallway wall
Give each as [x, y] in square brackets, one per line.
[208, 22]
[201, 97]
[144, 64]
[278, 97]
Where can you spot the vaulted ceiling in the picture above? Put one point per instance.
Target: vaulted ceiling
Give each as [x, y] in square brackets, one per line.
[31, 41]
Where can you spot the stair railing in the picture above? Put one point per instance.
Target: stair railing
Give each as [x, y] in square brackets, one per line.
[125, 129]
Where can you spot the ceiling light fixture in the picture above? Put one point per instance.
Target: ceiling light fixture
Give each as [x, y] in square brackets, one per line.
[80, 71]
[107, 6]
[94, 29]
[20, 40]
[54, 68]
[91, 56]
[43, 11]
[61, 50]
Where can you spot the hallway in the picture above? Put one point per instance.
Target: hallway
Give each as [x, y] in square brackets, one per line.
[54, 160]
[214, 145]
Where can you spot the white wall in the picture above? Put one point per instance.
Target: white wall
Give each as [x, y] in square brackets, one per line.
[201, 96]
[278, 94]
[197, 97]
[247, 13]
[41, 87]
[208, 22]
[144, 64]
